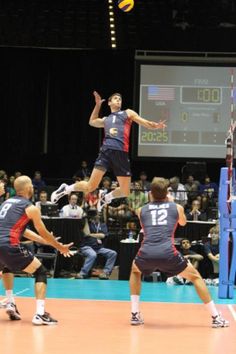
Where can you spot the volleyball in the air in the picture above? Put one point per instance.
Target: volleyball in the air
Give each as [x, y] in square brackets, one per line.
[126, 5]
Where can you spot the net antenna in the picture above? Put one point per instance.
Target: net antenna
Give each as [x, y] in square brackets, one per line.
[230, 143]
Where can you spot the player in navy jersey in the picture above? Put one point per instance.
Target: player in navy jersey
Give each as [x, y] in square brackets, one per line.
[114, 151]
[15, 214]
[159, 219]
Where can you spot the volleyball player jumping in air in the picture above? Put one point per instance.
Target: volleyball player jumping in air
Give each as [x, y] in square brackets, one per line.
[114, 153]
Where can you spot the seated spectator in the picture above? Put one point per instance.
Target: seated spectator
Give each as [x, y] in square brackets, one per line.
[10, 190]
[118, 211]
[211, 249]
[209, 192]
[145, 185]
[136, 198]
[38, 184]
[72, 210]
[193, 257]
[97, 226]
[195, 213]
[177, 191]
[4, 181]
[90, 247]
[106, 183]
[17, 174]
[91, 201]
[43, 200]
[83, 172]
[192, 188]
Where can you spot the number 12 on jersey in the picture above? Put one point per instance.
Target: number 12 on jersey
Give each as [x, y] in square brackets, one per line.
[159, 217]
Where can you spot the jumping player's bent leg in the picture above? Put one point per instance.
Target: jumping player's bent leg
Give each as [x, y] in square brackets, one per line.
[37, 269]
[191, 274]
[135, 289]
[81, 186]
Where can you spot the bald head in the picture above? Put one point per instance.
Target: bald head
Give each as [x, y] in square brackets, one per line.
[22, 184]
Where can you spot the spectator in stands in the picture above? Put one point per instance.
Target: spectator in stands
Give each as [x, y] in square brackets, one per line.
[177, 191]
[195, 213]
[191, 256]
[192, 188]
[83, 172]
[91, 246]
[211, 249]
[38, 184]
[37, 180]
[10, 190]
[3, 180]
[43, 200]
[17, 174]
[209, 192]
[91, 200]
[97, 226]
[136, 198]
[72, 210]
[144, 183]
[106, 183]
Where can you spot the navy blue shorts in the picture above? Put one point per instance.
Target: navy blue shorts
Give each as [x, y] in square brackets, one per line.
[15, 258]
[116, 161]
[170, 266]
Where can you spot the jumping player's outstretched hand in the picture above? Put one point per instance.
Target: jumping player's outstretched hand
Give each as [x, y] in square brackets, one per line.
[98, 99]
[2, 190]
[65, 249]
[157, 125]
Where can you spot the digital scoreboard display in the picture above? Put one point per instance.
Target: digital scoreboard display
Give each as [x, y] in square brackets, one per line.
[197, 103]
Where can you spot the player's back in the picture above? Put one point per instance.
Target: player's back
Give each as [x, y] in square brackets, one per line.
[13, 220]
[117, 130]
[159, 221]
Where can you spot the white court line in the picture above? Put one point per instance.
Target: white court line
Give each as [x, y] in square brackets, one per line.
[22, 291]
[233, 312]
[4, 301]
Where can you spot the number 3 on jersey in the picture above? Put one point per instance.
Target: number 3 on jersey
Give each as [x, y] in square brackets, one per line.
[159, 217]
[4, 210]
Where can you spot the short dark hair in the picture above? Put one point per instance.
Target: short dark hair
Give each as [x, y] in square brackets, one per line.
[159, 188]
[114, 94]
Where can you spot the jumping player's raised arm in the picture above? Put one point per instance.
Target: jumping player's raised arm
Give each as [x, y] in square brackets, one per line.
[182, 218]
[144, 122]
[94, 119]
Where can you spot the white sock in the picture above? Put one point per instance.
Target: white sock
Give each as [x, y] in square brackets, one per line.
[70, 188]
[40, 307]
[109, 197]
[9, 296]
[211, 307]
[134, 303]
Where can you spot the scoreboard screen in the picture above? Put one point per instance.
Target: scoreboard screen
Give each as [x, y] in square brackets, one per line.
[197, 103]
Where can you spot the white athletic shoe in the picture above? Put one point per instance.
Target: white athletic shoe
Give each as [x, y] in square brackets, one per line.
[101, 200]
[59, 193]
[3, 304]
[136, 319]
[219, 322]
[12, 312]
[170, 281]
[44, 319]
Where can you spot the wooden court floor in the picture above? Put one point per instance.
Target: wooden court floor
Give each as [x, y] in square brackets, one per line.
[102, 327]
